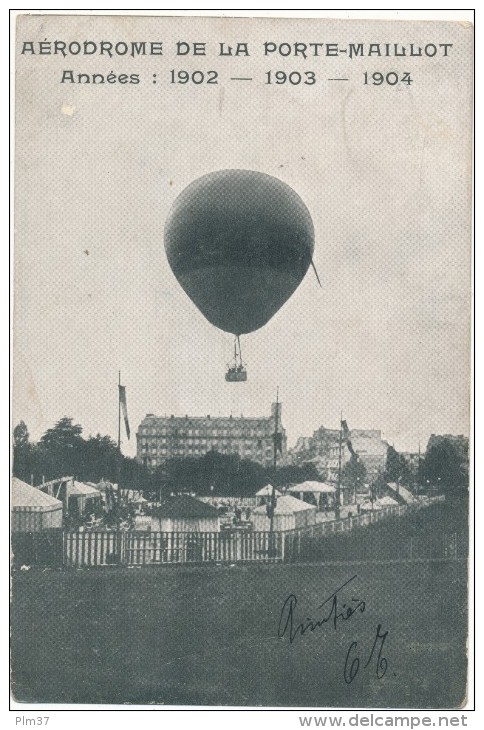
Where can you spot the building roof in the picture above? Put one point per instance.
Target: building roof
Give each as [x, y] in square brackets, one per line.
[313, 487]
[368, 443]
[29, 499]
[285, 506]
[184, 505]
[267, 491]
[226, 422]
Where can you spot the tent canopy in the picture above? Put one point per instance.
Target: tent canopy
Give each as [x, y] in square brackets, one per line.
[80, 489]
[387, 502]
[267, 491]
[285, 506]
[312, 487]
[27, 498]
[184, 506]
[403, 493]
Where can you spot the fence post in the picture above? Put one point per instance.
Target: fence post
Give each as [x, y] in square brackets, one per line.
[237, 556]
[121, 547]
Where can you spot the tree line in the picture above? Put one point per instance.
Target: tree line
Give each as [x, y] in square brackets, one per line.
[63, 451]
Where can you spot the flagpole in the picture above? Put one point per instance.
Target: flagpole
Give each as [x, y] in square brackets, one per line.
[417, 479]
[119, 411]
[338, 490]
[276, 430]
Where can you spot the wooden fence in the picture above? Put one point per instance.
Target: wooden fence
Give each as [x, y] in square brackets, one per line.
[389, 540]
[372, 547]
[331, 527]
[336, 540]
[143, 548]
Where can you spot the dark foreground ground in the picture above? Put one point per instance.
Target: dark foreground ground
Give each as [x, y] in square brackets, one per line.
[208, 636]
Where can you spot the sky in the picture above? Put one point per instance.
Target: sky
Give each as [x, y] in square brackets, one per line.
[384, 172]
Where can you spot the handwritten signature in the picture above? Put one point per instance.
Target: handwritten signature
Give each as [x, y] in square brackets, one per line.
[333, 612]
[352, 661]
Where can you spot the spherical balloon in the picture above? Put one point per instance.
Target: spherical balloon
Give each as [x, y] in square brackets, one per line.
[239, 242]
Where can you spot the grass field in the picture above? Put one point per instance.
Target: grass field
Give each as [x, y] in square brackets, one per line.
[207, 636]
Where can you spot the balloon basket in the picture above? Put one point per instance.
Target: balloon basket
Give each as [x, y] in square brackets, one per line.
[236, 376]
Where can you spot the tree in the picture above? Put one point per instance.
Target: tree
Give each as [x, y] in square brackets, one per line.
[21, 435]
[65, 434]
[378, 487]
[22, 452]
[134, 475]
[443, 466]
[212, 474]
[99, 458]
[353, 474]
[294, 474]
[61, 450]
[397, 469]
[309, 472]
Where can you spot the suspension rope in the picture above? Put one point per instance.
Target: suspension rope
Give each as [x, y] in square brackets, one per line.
[240, 350]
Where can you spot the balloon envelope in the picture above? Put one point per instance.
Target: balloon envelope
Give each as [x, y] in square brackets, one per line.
[239, 242]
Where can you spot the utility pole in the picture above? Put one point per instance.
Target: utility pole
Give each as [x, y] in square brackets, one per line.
[273, 495]
[338, 489]
[119, 412]
[417, 476]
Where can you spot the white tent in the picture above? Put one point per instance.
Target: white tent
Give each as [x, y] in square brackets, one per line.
[81, 493]
[321, 492]
[386, 502]
[290, 514]
[33, 510]
[267, 491]
[314, 487]
[403, 493]
[184, 513]
[264, 494]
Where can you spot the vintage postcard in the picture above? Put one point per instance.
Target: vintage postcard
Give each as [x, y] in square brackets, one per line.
[242, 305]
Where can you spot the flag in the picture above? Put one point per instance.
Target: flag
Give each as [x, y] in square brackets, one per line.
[346, 434]
[122, 400]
